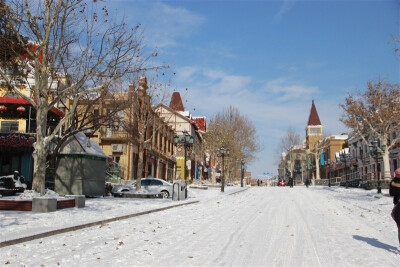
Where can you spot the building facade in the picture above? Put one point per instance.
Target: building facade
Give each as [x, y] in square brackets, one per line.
[182, 122]
[120, 140]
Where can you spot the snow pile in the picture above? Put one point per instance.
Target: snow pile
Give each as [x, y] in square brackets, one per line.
[51, 194]
[30, 194]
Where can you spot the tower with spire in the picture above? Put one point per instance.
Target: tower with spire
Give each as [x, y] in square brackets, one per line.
[314, 128]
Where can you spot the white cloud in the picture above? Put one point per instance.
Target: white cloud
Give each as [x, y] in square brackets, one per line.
[284, 90]
[212, 81]
[273, 107]
[285, 7]
[165, 24]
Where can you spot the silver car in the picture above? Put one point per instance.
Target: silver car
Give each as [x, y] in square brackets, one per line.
[152, 185]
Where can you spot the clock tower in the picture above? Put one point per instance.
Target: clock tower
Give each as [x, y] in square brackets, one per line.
[313, 129]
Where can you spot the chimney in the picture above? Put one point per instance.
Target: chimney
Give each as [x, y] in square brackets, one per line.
[142, 86]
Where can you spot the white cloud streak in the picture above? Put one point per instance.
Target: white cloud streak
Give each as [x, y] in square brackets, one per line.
[165, 24]
[285, 7]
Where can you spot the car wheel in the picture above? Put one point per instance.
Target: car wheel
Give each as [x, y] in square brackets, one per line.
[165, 194]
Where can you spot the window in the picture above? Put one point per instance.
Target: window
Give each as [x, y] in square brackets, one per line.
[96, 115]
[155, 182]
[156, 139]
[9, 126]
[315, 130]
[145, 182]
[9, 163]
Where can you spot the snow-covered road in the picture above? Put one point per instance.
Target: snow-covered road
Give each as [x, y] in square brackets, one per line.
[262, 226]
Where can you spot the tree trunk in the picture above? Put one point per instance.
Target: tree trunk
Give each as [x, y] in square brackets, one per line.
[317, 176]
[40, 151]
[140, 165]
[386, 164]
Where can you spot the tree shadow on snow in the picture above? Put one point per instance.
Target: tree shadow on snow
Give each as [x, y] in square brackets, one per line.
[376, 243]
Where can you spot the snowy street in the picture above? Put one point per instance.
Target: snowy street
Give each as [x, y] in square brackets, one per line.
[268, 226]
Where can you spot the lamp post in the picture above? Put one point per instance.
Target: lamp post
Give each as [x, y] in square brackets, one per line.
[242, 169]
[223, 152]
[327, 173]
[373, 150]
[289, 170]
[344, 157]
[187, 140]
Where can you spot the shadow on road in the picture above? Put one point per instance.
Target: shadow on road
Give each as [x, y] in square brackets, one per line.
[376, 243]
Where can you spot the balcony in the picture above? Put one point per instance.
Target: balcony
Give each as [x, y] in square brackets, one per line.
[109, 134]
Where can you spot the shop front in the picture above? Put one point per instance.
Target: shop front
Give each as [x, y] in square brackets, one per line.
[16, 155]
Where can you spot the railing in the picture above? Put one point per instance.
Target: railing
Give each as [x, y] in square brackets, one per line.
[106, 133]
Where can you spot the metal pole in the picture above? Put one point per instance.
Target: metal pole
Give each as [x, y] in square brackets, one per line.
[241, 181]
[329, 179]
[184, 165]
[223, 173]
[345, 170]
[29, 119]
[377, 173]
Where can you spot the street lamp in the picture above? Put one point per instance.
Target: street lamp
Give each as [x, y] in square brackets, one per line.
[344, 157]
[222, 152]
[242, 169]
[373, 150]
[327, 173]
[187, 140]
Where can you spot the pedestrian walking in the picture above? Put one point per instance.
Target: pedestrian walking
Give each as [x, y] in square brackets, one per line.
[308, 182]
[394, 191]
[258, 182]
[291, 181]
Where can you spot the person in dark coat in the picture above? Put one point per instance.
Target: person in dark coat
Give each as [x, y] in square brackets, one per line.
[291, 181]
[308, 182]
[394, 191]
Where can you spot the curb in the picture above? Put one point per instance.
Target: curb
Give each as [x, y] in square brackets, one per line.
[86, 225]
[238, 191]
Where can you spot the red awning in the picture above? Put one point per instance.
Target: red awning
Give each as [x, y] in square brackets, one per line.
[21, 101]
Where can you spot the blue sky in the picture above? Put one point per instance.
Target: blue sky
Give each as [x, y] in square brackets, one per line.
[270, 59]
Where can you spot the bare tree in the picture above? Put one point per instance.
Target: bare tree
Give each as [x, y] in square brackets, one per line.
[287, 143]
[316, 152]
[236, 132]
[375, 115]
[89, 116]
[73, 48]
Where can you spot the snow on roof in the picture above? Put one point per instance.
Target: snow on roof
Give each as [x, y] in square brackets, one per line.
[79, 143]
[340, 137]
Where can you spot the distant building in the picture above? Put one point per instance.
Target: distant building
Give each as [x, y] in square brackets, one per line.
[181, 120]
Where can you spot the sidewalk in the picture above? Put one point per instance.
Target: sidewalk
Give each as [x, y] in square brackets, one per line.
[17, 226]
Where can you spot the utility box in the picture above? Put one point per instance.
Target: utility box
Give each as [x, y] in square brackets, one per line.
[81, 167]
[179, 191]
[44, 204]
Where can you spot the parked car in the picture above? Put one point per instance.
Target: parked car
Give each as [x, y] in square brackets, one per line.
[282, 183]
[152, 185]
